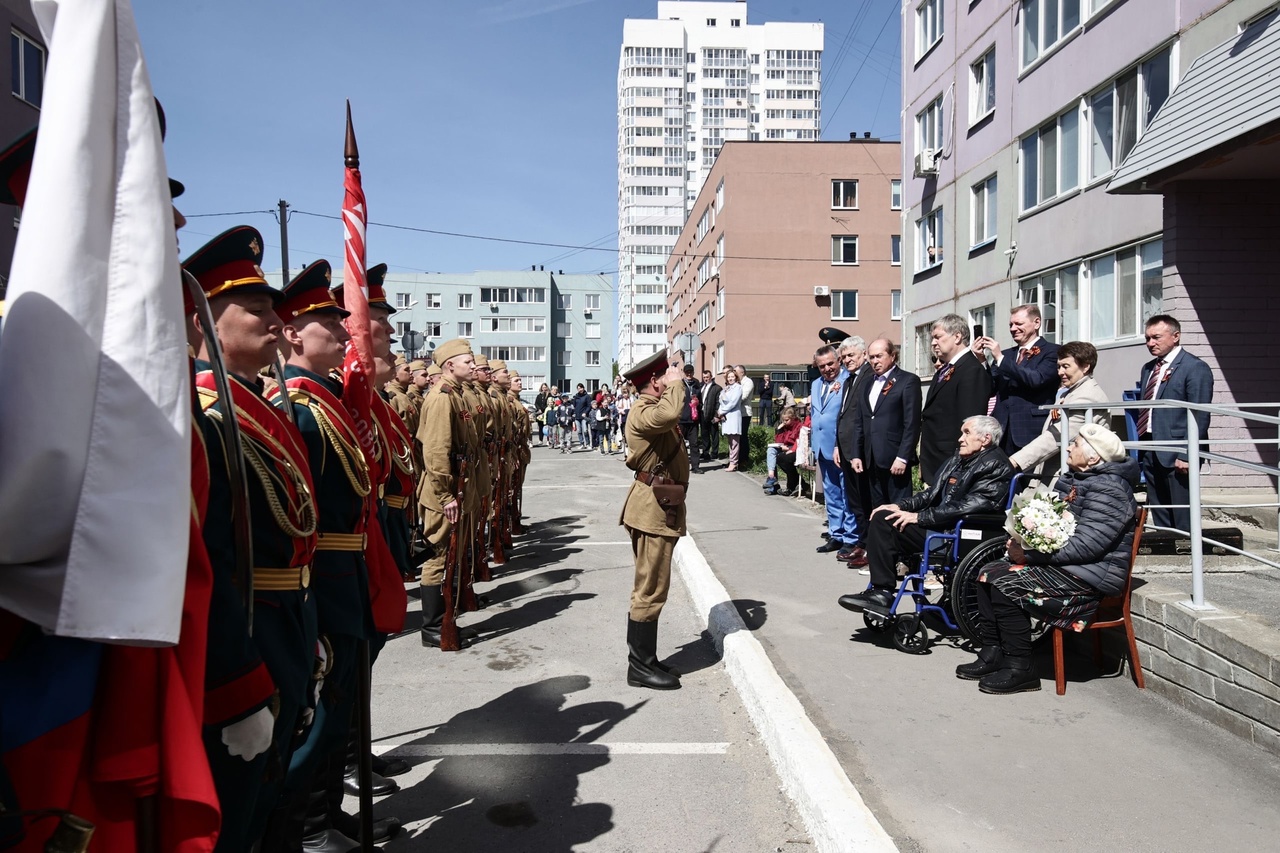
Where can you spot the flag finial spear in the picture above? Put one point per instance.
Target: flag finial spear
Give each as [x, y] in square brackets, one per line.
[351, 155]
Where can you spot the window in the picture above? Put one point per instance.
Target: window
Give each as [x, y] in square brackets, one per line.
[1050, 161]
[844, 305]
[465, 329]
[929, 240]
[704, 317]
[719, 254]
[565, 301]
[984, 317]
[895, 305]
[507, 295]
[402, 300]
[564, 330]
[1120, 113]
[593, 358]
[564, 359]
[720, 303]
[591, 302]
[593, 331]
[1044, 24]
[720, 196]
[983, 212]
[464, 301]
[402, 328]
[924, 350]
[711, 22]
[929, 127]
[735, 22]
[895, 250]
[1120, 290]
[844, 195]
[844, 249]
[513, 324]
[27, 65]
[432, 330]
[510, 353]
[719, 362]
[895, 194]
[982, 87]
[928, 26]
[431, 300]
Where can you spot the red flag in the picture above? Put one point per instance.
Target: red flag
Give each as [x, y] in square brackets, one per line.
[357, 368]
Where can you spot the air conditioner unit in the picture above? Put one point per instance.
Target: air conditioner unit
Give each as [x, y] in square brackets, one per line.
[586, 312]
[821, 290]
[927, 162]
[493, 306]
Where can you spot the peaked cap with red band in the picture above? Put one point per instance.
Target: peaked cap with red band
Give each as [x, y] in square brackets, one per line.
[374, 278]
[229, 264]
[652, 366]
[309, 292]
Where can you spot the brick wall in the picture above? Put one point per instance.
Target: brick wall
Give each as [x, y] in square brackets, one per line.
[1219, 281]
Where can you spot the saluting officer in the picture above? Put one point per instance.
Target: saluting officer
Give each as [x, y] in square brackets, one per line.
[654, 512]
[282, 517]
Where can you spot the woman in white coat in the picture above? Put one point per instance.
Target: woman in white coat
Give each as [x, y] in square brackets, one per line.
[1076, 361]
[729, 414]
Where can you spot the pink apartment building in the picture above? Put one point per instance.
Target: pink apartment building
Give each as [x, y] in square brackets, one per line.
[784, 239]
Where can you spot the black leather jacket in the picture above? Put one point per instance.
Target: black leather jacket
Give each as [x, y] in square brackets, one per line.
[979, 484]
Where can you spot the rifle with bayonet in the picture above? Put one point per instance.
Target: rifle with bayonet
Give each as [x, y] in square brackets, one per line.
[449, 639]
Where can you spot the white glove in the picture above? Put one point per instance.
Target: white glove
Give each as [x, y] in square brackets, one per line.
[251, 736]
[308, 717]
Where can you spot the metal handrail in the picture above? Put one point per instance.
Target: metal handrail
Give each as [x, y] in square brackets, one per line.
[1192, 447]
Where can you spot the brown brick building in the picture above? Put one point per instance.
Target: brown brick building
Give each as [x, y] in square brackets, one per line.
[784, 239]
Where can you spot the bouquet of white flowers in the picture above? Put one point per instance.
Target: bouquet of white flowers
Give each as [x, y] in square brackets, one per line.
[1040, 521]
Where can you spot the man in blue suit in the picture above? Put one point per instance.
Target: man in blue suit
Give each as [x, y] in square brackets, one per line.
[1173, 374]
[825, 396]
[1024, 378]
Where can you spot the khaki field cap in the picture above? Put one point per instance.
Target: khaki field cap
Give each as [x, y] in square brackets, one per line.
[448, 349]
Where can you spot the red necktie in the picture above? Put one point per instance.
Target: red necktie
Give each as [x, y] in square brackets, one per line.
[1149, 393]
[1022, 356]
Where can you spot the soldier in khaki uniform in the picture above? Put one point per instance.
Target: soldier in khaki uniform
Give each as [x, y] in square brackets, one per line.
[420, 382]
[659, 459]
[401, 402]
[446, 432]
[502, 449]
[524, 432]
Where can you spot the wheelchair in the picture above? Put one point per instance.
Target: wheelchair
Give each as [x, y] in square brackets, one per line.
[954, 558]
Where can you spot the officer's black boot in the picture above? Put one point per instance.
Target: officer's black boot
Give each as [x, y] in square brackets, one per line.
[643, 669]
[351, 773]
[432, 615]
[318, 833]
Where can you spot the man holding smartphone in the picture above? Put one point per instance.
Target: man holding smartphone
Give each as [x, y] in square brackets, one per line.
[1025, 377]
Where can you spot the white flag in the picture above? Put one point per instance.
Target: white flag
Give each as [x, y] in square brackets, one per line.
[94, 399]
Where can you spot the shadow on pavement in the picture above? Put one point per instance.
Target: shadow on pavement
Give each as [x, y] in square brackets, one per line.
[516, 802]
[502, 622]
[754, 613]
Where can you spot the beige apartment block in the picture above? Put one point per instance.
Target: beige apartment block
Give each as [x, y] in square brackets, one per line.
[783, 240]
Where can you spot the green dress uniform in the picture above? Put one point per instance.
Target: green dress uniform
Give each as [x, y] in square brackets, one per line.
[657, 450]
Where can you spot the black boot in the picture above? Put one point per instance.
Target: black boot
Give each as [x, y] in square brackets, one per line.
[643, 669]
[433, 618]
[351, 773]
[318, 833]
[990, 659]
[669, 670]
[1016, 676]
[384, 829]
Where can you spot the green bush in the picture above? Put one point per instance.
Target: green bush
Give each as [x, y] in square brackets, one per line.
[759, 436]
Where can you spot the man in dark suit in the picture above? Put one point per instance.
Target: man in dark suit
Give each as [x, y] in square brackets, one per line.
[690, 420]
[710, 429]
[1173, 374]
[853, 355]
[886, 426]
[1024, 378]
[960, 389]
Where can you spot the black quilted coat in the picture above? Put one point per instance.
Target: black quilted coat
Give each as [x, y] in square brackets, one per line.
[979, 484]
[1101, 498]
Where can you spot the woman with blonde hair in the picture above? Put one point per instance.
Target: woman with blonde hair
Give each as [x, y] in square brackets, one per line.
[729, 415]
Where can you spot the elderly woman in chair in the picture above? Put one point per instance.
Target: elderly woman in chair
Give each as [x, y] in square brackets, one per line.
[1064, 587]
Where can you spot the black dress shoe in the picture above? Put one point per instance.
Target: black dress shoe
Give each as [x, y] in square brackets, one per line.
[875, 600]
[329, 841]
[829, 546]
[826, 536]
[381, 785]
[390, 766]
[383, 830]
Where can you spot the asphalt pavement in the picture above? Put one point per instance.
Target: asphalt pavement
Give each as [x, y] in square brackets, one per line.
[530, 741]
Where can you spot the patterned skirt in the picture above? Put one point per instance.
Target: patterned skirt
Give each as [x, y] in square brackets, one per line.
[1046, 592]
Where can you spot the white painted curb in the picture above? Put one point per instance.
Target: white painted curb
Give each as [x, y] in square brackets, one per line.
[833, 811]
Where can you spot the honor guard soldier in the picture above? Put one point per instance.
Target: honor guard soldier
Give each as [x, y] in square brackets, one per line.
[523, 439]
[501, 382]
[498, 439]
[654, 511]
[314, 339]
[282, 518]
[447, 432]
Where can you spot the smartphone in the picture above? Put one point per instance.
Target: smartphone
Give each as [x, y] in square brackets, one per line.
[977, 332]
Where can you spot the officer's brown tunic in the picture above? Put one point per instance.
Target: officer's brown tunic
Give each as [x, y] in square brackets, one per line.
[653, 436]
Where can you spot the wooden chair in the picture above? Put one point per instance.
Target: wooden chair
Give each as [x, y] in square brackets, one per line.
[1113, 612]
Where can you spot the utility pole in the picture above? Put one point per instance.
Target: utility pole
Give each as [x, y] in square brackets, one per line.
[284, 243]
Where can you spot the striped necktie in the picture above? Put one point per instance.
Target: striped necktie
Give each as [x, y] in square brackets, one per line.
[1149, 393]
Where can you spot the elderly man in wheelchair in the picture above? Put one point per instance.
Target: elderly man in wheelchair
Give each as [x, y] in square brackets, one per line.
[972, 483]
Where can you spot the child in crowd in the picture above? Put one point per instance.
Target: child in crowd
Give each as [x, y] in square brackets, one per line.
[564, 416]
[782, 453]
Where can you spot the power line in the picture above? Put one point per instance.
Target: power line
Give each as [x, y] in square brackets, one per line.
[892, 9]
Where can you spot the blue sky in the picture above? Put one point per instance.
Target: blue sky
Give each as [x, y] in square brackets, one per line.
[485, 117]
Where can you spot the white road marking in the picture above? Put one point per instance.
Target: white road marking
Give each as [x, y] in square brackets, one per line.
[442, 750]
[578, 486]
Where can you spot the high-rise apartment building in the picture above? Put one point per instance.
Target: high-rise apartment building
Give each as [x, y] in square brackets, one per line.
[688, 81]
